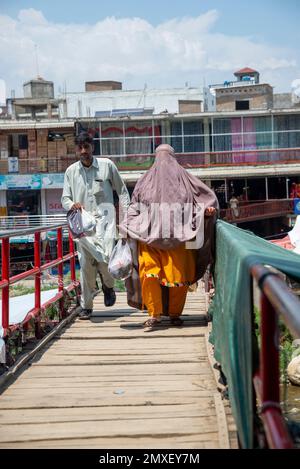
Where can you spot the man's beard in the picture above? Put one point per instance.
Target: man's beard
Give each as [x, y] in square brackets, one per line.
[86, 159]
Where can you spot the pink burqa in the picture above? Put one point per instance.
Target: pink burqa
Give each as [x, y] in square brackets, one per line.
[167, 209]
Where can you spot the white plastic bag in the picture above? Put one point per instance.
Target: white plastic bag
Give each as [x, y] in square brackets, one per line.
[120, 263]
[88, 223]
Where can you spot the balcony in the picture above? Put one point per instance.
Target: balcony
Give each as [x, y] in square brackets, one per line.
[137, 162]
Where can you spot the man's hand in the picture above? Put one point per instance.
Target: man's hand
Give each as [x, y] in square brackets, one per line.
[77, 206]
[210, 211]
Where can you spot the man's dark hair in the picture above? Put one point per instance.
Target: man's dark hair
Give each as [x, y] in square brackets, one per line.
[83, 137]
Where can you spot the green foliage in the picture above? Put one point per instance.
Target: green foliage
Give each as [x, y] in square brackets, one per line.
[120, 285]
[285, 341]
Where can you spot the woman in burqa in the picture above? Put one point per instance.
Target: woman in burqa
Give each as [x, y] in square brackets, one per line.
[170, 224]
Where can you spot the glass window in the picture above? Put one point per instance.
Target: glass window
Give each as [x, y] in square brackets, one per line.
[138, 138]
[191, 143]
[286, 139]
[176, 142]
[286, 122]
[112, 138]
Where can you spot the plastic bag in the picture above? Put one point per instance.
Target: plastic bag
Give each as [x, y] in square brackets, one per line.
[120, 263]
[81, 223]
[88, 223]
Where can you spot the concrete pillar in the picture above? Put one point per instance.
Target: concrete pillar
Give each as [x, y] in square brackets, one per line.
[206, 140]
[49, 110]
[43, 202]
[267, 189]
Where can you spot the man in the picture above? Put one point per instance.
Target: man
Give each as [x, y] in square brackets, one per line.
[89, 184]
[234, 205]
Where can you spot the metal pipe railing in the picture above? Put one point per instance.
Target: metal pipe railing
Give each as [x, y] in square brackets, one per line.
[23, 221]
[36, 271]
[270, 207]
[277, 300]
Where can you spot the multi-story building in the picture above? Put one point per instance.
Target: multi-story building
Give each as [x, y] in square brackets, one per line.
[38, 101]
[254, 154]
[108, 99]
[245, 93]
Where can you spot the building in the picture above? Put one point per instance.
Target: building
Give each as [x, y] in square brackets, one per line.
[34, 157]
[108, 99]
[38, 101]
[252, 153]
[245, 93]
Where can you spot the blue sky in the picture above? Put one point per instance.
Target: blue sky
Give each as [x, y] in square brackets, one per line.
[272, 20]
[212, 38]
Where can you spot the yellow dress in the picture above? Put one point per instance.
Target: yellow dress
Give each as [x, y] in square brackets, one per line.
[174, 268]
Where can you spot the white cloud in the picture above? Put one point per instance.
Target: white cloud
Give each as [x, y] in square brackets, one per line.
[133, 51]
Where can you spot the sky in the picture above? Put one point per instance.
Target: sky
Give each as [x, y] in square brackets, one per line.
[155, 43]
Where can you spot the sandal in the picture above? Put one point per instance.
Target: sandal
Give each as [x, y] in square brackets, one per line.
[176, 321]
[151, 324]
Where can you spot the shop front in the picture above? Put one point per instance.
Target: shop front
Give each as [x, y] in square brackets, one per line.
[23, 202]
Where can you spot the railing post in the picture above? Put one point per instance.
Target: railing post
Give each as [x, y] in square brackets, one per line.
[60, 270]
[72, 261]
[269, 356]
[5, 276]
[37, 283]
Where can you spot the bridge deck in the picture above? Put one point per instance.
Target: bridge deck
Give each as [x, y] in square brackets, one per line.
[108, 384]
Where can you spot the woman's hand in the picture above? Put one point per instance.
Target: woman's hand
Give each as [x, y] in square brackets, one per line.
[209, 211]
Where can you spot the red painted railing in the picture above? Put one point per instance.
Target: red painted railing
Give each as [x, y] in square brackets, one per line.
[36, 271]
[256, 211]
[276, 300]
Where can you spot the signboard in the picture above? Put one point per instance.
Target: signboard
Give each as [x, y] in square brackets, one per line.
[23, 181]
[13, 164]
[22, 239]
[29, 181]
[3, 184]
[297, 206]
[53, 201]
[52, 181]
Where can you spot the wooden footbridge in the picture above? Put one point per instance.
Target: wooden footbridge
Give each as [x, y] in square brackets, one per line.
[106, 383]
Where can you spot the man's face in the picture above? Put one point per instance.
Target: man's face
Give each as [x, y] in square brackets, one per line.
[85, 151]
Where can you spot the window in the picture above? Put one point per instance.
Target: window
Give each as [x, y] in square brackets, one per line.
[242, 105]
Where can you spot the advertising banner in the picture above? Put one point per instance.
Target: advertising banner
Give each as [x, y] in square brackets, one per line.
[23, 181]
[52, 181]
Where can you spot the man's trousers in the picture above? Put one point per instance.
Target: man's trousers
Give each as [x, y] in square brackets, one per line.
[89, 267]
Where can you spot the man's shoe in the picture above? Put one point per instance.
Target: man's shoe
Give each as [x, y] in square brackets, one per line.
[85, 314]
[109, 296]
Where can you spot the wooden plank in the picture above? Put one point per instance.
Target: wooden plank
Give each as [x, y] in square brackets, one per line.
[114, 428]
[184, 369]
[104, 413]
[110, 388]
[209, 440]
[76, 360]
